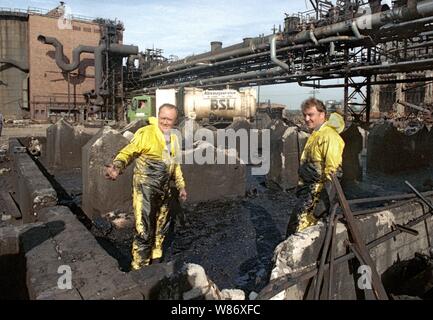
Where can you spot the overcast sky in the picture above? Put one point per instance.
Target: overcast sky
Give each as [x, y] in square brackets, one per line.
[185, 27]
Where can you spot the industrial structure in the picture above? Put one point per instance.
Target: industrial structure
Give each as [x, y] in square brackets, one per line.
[39, 81]
[374, 48]
[348, 40]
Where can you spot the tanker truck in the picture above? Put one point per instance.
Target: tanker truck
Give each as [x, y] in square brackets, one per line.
[215, 107]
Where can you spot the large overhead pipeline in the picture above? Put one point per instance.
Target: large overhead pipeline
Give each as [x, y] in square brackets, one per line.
[276, 73]
[348, 30]
[253, 47]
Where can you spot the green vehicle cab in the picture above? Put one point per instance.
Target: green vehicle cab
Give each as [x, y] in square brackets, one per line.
[141, 107]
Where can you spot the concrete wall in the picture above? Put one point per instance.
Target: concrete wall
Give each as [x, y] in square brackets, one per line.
[61, 241]
[64, 144]
[33, 191]
[207, 182]
[301, 251]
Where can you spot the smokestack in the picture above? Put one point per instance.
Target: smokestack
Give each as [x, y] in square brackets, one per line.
[247, 41]
[215, 46]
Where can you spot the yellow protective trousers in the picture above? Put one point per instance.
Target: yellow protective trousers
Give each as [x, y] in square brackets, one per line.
[155, 166]
[151, 196]
[309, 207]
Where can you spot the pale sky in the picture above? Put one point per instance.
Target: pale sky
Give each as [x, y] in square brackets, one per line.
[186, 27]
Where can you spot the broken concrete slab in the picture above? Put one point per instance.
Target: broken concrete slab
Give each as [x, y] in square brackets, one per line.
[300, 251]
[287, 144]
[101, 196]
[64, 143]
[60, 247]
[206, 180]
[10, 206]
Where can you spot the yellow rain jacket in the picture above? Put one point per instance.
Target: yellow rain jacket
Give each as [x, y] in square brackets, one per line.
[155, 167]
[322, 155]
[149, 144]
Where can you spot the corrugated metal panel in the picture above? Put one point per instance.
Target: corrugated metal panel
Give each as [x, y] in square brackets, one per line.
[13, 81]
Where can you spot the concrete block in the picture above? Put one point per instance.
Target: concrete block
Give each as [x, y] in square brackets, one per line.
[133, 126]
[232, 294]
[353, 141]
[286, 145]
[64, 144]
[241, 127]
[386, 143]
[263, 120]
[61, 240]
[33, 191]
[206, 182]
[100, 195]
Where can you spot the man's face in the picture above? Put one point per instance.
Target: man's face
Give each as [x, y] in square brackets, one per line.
[166, 119]
[313, 118]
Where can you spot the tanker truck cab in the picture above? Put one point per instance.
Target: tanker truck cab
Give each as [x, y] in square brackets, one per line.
[141, 107]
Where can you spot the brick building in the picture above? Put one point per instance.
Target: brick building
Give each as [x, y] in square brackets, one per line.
[43, 88]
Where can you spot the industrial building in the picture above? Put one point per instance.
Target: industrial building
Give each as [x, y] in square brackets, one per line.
[32, 85]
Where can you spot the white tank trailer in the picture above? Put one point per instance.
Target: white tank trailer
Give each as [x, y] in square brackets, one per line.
[226, 104]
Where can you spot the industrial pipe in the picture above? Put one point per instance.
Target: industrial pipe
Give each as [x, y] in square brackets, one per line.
[59, 56]
[123, 50]
[344, 28]
[413, 106]
[119, 49]
[200, 66]
[20, 65]
[370, 21]
[252, 48]
[274, 58]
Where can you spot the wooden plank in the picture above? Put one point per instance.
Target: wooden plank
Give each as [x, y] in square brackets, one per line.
[10, 206]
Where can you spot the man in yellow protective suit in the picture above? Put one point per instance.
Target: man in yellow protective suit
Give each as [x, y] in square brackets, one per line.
[156, 149]
[322, 156]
